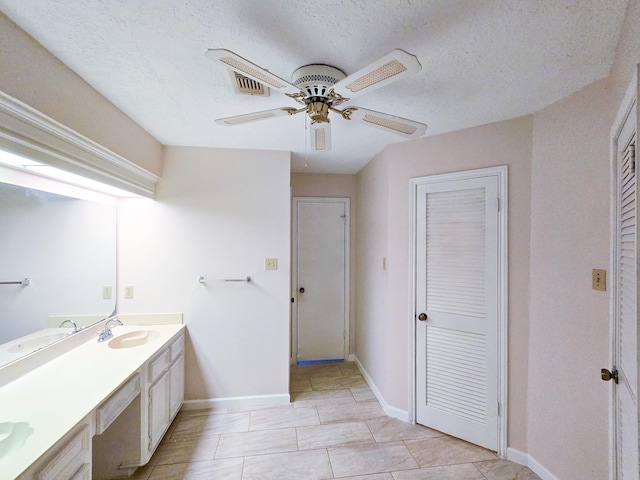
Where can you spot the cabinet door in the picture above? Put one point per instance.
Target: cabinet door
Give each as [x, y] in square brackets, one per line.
[177, 385]
[83, 474]
[158, 410]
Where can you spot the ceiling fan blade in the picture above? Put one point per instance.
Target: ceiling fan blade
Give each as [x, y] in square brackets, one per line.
[320, 136]
[251, 70]
[255, 116]
[390, 123]
[390, 68]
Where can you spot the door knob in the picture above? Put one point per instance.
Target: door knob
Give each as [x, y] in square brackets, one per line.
[301, 290]
[606, 375]
[422, 317]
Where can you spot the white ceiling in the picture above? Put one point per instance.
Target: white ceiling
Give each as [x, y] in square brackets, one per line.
[483, 61]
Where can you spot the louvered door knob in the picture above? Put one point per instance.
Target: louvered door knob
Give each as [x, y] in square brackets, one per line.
[607, 375]
[422, 317]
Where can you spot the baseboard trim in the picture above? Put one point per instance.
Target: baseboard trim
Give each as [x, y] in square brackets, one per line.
[513, 455]
[237, 402]
[388, 409]
[527, 460]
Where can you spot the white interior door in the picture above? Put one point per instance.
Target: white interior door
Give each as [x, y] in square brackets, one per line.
[625, 303]
[320, 278]
[458, 276]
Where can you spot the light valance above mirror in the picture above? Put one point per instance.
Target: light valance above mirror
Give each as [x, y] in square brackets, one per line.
[29, 133]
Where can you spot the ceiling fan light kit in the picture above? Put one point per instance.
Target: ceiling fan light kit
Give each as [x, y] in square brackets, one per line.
[317, 87]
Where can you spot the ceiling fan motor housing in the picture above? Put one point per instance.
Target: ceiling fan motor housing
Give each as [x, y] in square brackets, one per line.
[316, 81]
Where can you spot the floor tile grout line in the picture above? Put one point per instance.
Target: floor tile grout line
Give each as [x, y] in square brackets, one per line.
[242, 470]
[333, 473]
[480, 471]
[411, 453]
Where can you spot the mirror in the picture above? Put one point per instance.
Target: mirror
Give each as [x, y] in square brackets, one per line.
[66, 247]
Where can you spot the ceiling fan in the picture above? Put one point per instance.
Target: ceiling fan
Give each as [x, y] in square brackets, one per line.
[321, 88]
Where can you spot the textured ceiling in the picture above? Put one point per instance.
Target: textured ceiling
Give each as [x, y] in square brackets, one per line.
[483, 61]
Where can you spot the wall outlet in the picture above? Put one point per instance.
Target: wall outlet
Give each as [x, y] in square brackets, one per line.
[128, 291]
[599, 280]
[270, 263]
[107, 292]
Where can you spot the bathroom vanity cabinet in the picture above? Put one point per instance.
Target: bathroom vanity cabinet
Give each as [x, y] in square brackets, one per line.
[104, 420]
[165, 393]
[70, 458]
[147, 404]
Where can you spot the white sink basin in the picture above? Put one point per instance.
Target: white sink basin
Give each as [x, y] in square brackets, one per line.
[133, 339]
[12, 436]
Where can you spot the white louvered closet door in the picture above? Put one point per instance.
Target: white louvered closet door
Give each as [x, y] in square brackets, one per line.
[626, 305]
[457, 288]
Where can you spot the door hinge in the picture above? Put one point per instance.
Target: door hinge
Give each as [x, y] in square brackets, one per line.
[497, 204]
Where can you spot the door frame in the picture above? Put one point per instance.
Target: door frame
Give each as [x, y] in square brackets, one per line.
[501, 172]
[630, 98]
[294, 271]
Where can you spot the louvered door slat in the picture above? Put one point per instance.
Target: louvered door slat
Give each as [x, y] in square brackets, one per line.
[456, 252]
[459, 373]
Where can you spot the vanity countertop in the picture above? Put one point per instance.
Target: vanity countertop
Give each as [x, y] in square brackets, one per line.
[55, 397]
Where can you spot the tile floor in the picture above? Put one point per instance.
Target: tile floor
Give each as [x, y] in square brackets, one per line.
[334, 428]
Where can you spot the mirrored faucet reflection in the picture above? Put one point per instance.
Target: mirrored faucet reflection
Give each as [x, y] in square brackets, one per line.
[107, 333]
[76, 329]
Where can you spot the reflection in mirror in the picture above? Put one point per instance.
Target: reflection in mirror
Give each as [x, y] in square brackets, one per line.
[66, 247]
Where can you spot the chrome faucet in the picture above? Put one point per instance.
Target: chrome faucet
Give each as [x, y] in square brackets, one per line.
[107, 333]
[76, 329]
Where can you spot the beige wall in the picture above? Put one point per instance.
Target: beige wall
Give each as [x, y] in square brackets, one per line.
[570, 225]
[217, 213]
[388, 332]
[372, 317]
[335, 186]
[29, 73]
[559, 225]
[568, 410]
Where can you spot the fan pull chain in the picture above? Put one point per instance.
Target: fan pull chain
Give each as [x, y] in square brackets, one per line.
[306, 140]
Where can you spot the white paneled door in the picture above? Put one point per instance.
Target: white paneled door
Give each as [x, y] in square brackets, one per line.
[624, 371]
[320, 278]
[459, 259]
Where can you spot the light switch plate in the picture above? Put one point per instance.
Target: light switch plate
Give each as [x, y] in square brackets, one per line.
[128, 292]
[599, 280]
[107, 291]
[270, 263]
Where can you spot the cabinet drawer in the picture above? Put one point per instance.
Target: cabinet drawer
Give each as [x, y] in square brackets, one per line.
[159, 365]
[116, 403]
[177, 348]
[70, 458]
